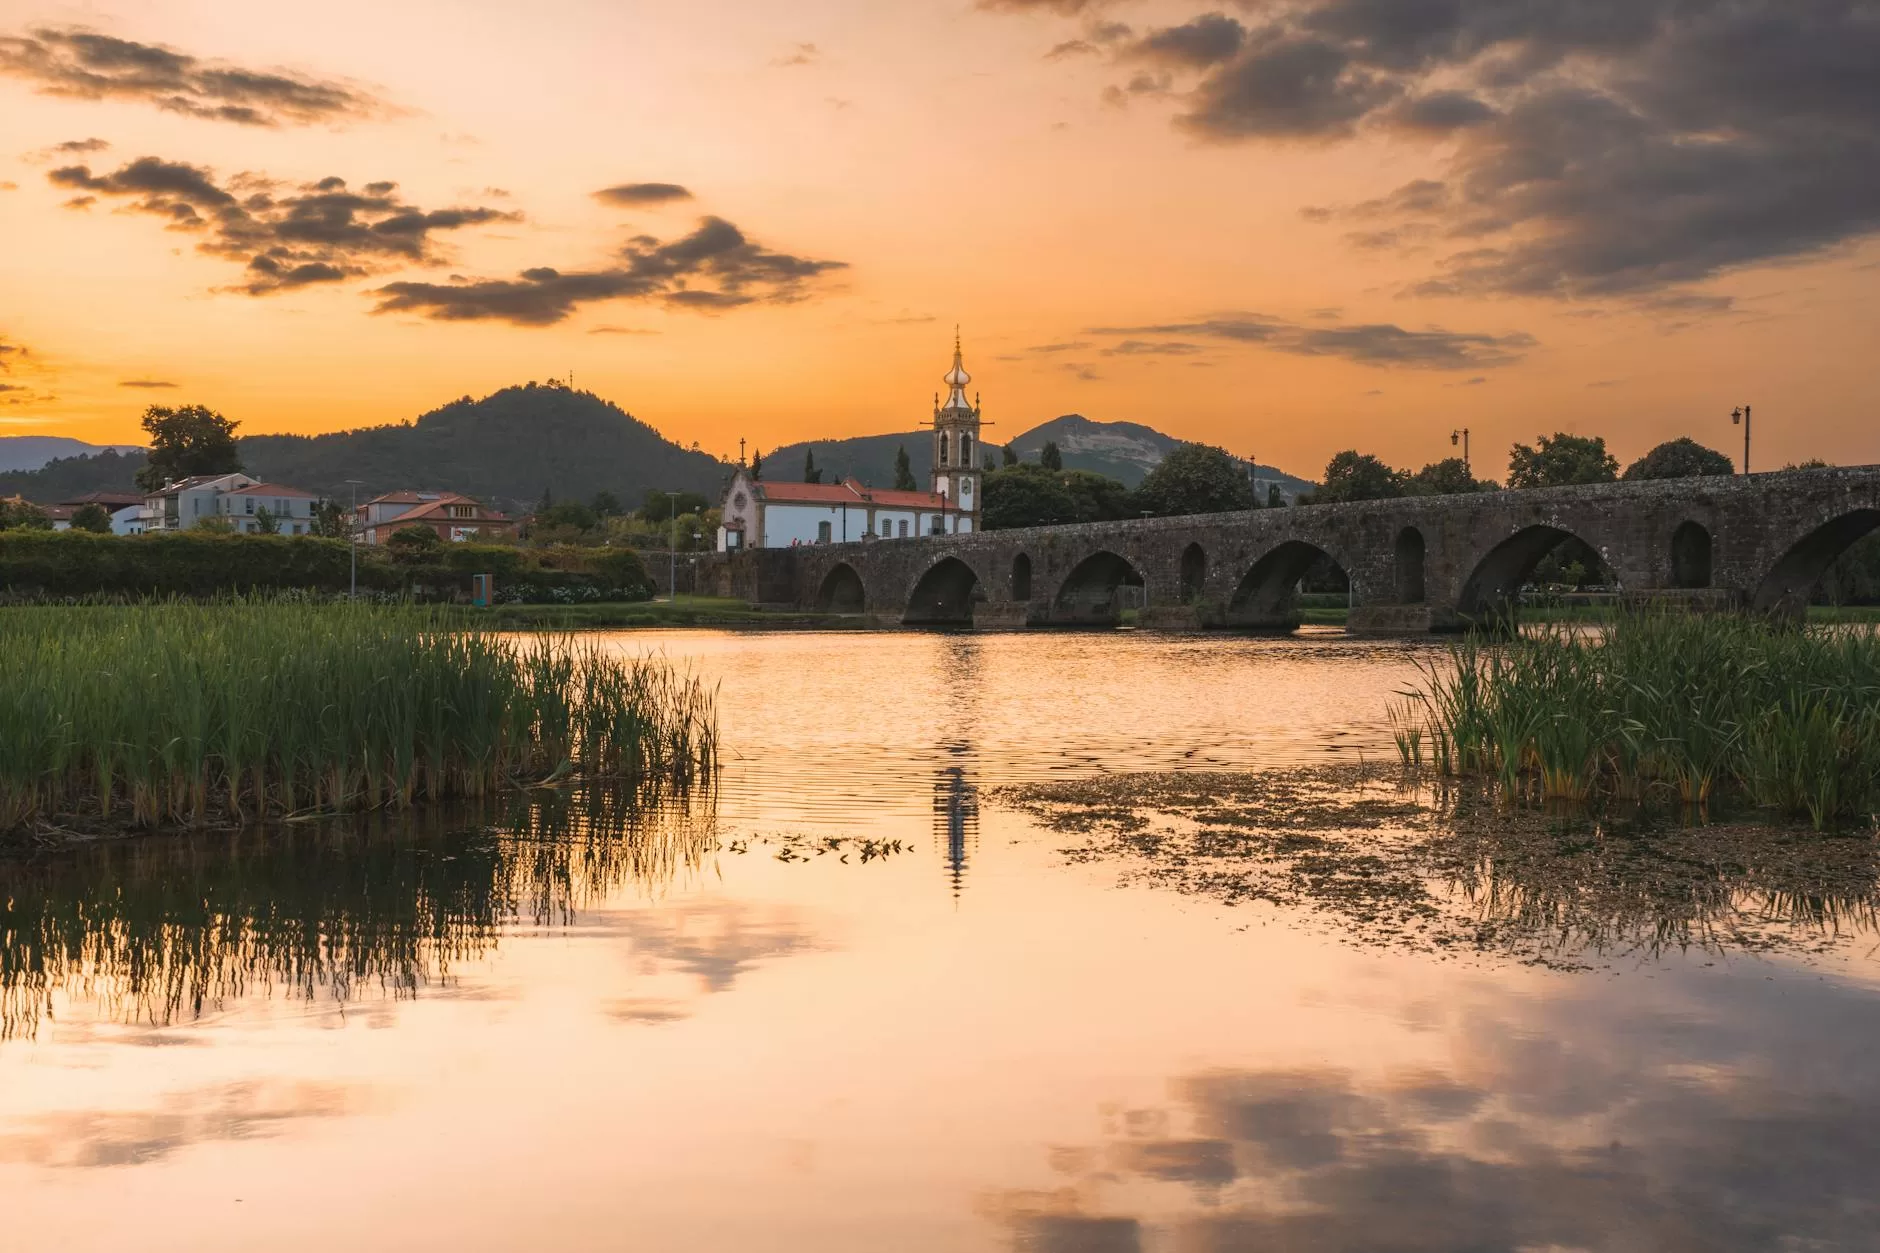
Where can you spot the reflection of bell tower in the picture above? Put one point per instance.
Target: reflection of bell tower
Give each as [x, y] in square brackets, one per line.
[956, 446]
[955, 820]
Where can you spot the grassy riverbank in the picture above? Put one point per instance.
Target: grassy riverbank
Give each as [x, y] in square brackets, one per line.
[1689, 705]
[189, 714]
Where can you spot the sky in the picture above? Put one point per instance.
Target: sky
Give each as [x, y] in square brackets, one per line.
[1287, 227]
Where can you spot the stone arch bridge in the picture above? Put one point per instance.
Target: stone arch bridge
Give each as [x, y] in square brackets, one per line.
[1426, 564]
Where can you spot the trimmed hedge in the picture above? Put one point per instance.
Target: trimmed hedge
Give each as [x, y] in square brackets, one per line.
[37, 565]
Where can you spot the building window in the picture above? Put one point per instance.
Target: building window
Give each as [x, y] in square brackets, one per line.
[822, 532]
[903, 528]
[966, 449]
[943, 448]
[248, 504]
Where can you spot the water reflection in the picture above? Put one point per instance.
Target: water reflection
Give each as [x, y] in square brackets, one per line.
[159, 930]
[1709, 1115]
[230, 1111]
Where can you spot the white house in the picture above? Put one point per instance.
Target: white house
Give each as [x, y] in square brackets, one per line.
[761, 514]
[239, 499]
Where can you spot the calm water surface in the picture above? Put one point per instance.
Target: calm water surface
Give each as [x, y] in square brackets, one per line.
[714, 1036]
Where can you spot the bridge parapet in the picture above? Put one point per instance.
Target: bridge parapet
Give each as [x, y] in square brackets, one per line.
[1414, 565]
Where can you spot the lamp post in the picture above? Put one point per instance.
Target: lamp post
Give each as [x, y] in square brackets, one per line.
[352, 532]
[672, 547]
[1461, 437]
[1740, 417]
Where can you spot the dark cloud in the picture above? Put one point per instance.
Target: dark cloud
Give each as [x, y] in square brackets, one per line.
[85, 65]
[1286, 86]
[714, 268]
[1380, 344]
[11, 354]
[801, 54]
[1072, 345]
[1071, 48]
[145, 383]
[1599, 147]
[1152, 348]
[640, 194]
[620, 330]
[79, 202]
[287, 237]
[1143, 84]
[1207, 40]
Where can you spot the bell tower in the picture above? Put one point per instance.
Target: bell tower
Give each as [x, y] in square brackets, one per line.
[956, 452]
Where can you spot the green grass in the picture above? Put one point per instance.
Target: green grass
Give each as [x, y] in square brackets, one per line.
[184, 714]
[1690, 705]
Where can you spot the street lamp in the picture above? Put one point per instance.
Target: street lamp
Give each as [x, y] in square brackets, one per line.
[1740, 417]
[1461, 437]
[352, 531]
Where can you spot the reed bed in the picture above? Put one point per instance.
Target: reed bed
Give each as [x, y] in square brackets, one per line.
[189, 714]
[1660, 703]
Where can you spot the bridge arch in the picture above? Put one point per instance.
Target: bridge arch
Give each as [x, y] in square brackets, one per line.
[1407, 557]
[842, 590]
[1194, 572]
[1785, 589]
[1265, 598]
[1495, 583]
[1690, 555]
[1021, 577]
[943, 596]
[1089, 594]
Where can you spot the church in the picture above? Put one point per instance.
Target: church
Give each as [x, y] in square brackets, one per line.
[759, 513]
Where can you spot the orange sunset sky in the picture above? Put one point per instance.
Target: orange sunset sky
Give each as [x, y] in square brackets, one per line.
[1283, 226]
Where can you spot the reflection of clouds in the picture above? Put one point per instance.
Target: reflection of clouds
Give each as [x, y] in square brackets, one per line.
[645, 1010]
[717, 941]
[1718, 1115]
[235, 1111]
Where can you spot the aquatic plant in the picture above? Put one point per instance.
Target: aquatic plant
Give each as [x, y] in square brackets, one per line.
[1674, 703]
[183, 714]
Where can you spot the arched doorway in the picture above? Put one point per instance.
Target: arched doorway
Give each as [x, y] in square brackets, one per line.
[1690, 555]
[1785, 589]
[1558, 557]
[842, 591]
[1267, 596]
[1194, 573]
[1409, 553]
[1091, 595]
[1021, 577]
[943, 596]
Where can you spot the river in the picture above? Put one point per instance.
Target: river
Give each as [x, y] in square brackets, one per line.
[864, 1003]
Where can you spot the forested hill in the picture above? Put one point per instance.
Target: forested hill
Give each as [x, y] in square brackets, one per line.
[1122, 450]
[508, 448]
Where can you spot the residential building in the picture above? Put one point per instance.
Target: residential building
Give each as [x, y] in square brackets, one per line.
[762, 514]
[455, 517]
[246, 503]
[126, 510]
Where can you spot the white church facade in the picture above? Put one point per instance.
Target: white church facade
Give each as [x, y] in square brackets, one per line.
[759, 513]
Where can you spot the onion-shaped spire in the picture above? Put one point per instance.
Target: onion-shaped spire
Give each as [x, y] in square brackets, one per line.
[957, 378]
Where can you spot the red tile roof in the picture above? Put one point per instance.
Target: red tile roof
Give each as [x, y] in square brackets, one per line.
[847, 492]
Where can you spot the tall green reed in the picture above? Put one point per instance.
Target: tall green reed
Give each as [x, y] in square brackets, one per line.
[1662, 702]
[183, 714]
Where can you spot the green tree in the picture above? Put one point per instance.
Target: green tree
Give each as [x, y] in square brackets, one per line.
[266, 523]
[93, 518]
[213, 524]
[659, 506]
[1354, 475]
[810, 473]
[903, 471]
[1096, 497]
[1195, 478]
[414, 543]
[330, 520]
[1008, 456]
[606, 505]
[1273, 498]
[1049, 457]
[1562, 460]
[1681, 458]
[573, 516]
[1025, 495]
[1449, 477]
[20, 515]
[187, 440]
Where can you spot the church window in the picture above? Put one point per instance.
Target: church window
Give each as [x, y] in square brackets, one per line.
[966, 449]
[903, 528]
[822, 532]
[943, 448]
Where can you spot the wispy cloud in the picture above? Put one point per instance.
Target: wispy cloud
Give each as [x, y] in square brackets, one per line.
[1380, 344]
